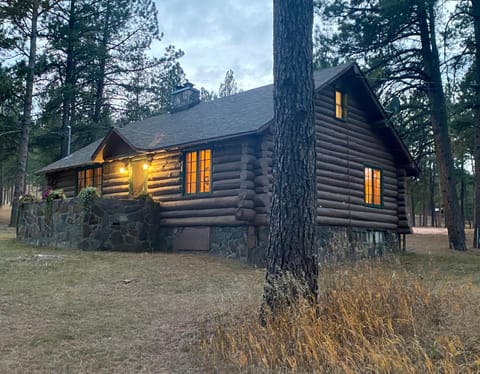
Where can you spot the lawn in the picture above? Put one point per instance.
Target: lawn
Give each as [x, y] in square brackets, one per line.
[73, 311]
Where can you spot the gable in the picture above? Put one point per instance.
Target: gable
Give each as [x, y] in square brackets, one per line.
[113, 146]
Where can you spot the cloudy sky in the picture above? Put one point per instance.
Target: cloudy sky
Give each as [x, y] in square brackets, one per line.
[217, 35]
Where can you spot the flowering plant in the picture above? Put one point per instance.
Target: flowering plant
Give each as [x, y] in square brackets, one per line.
[50, 194]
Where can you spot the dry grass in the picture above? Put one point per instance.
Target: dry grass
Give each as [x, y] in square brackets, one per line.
[372, 317]
[104, 312]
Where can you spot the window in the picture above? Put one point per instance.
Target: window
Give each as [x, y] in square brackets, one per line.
[373, 186]
[198, 166]
[89, 177]
[340, 105]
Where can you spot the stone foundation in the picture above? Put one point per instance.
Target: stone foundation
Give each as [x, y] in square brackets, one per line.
[107, 224]
[131, 225]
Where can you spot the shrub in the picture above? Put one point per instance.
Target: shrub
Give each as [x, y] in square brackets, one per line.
[87, 195]
[369, 319]
[27, 198]
[49, 195]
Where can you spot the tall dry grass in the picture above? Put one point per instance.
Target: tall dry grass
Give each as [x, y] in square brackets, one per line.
[371, 318]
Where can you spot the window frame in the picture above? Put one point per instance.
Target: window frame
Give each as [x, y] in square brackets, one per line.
[373, 168]
[84, 170]
[343, 104]
[197, 171]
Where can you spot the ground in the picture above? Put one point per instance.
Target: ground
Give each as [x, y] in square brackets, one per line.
[74, 311]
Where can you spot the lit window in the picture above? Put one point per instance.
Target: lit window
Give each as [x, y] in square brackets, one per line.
[198, 170]
[373, 186]
[90, 177]
[340, 105]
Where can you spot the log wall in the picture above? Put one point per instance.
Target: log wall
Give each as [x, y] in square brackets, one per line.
[115, 185]
[343, 148]
[65, 180]
[231, 201]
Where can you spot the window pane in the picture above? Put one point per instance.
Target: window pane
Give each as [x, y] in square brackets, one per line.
[205, 161]
[338, 105]
[368, 185]
[377, 187]
[191, 172]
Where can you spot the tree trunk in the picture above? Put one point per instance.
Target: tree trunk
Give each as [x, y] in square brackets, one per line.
[26, 118]
[476, 121]
[453, 218]
[292, 268]
[69, 87]
[412, 208]
[97, 114]
[432, 196]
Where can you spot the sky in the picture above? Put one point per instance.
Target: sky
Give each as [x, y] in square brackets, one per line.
[217, 35]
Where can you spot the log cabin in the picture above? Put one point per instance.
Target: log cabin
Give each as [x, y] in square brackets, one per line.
[208, 165]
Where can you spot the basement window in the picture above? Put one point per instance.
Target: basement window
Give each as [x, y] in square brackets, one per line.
[340, 105]
[89, 177]
[373, 186]
[198, 171]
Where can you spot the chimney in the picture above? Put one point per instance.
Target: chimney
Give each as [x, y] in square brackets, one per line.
[184, 97]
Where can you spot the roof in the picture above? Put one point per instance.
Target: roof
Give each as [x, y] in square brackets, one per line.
[244, 113]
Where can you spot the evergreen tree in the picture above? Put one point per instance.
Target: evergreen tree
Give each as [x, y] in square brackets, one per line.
[292, 268]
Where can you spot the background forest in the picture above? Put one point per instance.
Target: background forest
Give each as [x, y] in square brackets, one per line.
[81, 66]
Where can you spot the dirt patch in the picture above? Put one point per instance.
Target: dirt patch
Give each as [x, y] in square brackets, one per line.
[434, 240]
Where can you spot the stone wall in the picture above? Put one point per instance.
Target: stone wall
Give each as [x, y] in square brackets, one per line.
[106, 224]
[131, 225]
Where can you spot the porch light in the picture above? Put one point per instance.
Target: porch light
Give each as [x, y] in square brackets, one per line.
[148, 162]
[123, 168]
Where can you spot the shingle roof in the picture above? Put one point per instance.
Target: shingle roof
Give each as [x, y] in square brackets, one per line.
[246, 112]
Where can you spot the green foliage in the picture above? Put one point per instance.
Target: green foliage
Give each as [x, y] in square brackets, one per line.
[28, 199]
[87, 195]
[51, 195]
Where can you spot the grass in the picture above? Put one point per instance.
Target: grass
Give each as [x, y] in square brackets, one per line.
[77, 311]
[372, 317]
[74, 311]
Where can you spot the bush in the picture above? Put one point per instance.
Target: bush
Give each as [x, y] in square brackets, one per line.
[368, 319]
[50, 195]
[27, 198]
[87, 195]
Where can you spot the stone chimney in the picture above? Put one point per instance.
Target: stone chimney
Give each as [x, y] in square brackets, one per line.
[184, 97]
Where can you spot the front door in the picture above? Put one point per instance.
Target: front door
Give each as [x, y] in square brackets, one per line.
[138, 181]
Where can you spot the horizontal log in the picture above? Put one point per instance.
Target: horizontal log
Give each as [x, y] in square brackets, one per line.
[263, 180]
[356, 215]
[228, 166]
[214, 212]
[165, 190]
[155, 174]
[244, 214]
[202, 221]
[202, 203]
[249, 204]
[233, 183]
[263, 200]
[164, 182]
[226, 158]
[331, 196]
[231, 174]
[322, 220]
[262, 219]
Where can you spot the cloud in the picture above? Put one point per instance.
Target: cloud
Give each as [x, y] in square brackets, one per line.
[219, 35]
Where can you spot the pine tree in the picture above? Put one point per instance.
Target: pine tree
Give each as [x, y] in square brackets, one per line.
[292, 267]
